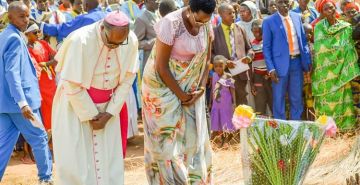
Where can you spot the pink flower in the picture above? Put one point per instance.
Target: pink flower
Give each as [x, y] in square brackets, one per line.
[241, 121]
[151, 105]
[330, 129]
[329, 124]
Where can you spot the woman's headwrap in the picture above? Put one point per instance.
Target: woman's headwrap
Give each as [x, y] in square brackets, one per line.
[32, 28]
[351, 5]
[319, 4]
[252, 7]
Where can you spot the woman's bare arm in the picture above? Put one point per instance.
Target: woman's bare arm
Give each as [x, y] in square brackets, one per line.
[163, 52]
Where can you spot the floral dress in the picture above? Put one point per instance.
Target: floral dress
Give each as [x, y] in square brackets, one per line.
[177, 147]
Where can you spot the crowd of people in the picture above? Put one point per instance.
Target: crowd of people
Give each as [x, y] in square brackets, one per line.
[77, 75]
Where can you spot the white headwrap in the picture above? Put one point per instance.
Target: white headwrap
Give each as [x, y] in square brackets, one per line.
[247, 25]
[253, 9]
[32, 28]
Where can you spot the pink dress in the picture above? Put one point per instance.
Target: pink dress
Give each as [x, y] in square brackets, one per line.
[172, 31]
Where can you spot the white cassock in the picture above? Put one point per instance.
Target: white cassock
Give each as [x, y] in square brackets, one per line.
[84, 156]
[133, 129]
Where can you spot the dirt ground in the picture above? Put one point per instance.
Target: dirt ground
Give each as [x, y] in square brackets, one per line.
[227, 164]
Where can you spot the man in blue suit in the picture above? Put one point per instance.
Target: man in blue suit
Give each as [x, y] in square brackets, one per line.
[20, 96]
[287, 56]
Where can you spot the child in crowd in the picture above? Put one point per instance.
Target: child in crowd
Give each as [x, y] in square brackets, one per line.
[260, 81]
[222, 101]
[309, 99]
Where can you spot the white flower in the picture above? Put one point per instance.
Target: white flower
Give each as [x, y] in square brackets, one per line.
[284, 140]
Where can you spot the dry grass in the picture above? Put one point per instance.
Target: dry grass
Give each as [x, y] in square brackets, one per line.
[227, 163]
[227, 166]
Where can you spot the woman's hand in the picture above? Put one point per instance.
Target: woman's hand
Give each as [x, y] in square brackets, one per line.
[162, 58]
[195, 96]
[42, 64]
[52, 63]
[185, 98]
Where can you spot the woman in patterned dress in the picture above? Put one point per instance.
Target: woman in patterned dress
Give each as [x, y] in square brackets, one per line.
[177, 147]
[335, 65]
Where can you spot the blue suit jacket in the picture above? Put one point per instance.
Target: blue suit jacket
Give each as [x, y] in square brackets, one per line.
[61, 31]
[276, 47]
[18, 81]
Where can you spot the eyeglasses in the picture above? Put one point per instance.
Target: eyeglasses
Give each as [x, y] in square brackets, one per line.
[114, 45]
[36, 32]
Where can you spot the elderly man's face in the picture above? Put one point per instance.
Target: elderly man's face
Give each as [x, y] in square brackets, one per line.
[115, 36]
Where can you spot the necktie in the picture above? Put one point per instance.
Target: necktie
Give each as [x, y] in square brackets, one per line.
[289, 36]
[232, 44]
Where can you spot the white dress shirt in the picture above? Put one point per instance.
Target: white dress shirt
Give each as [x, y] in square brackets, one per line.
[293, 33]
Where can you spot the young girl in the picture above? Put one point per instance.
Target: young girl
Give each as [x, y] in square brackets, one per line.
[223, 101]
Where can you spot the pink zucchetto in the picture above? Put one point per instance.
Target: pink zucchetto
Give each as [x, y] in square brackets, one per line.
[117, 18]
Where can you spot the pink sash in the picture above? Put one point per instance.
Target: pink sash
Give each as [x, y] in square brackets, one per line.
[103, 96]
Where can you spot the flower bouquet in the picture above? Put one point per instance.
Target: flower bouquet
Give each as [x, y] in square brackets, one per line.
[279, 152]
